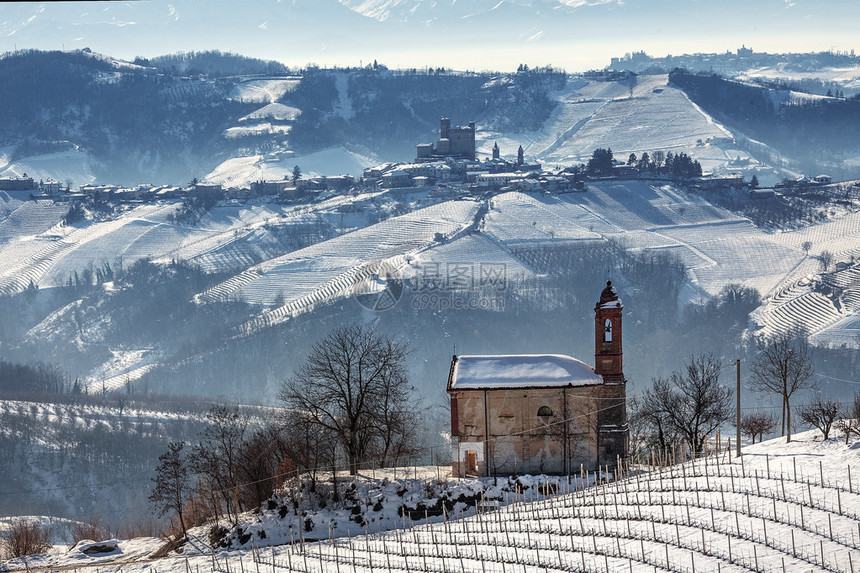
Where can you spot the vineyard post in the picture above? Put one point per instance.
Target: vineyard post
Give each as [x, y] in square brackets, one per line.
[755, 555]
[850, 487]
[738, 410]
[729, 537]
[821, 472]
[483, 570]
[793, 547]
[764, 526]
[367, 546]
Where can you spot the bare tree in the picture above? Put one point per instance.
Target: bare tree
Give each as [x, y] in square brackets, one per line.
[257, 464]
[216, 455]
[806, 245]
[350, 379]
[849, 424]
[394, 421]
[783, 366]
[311, 447]
[650, 417]
[691, 403]
[822, 413]
[171, 483]
[757, 424]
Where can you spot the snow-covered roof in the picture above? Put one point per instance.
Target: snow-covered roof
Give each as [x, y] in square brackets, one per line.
[520, 371]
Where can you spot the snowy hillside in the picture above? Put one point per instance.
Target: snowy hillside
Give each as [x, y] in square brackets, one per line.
[239, 128]
[284, 260]
[637, 115]
[794, 506]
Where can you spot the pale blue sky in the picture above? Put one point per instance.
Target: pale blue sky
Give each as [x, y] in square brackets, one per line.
[462, 34]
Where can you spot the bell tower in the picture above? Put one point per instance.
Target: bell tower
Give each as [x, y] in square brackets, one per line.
[607, 336]
[608, 362]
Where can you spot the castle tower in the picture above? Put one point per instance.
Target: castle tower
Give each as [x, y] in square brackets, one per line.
[520, 156]
[495, 151]
[444, 128]
[608, 362]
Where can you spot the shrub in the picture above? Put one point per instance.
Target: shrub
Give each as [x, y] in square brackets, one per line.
[91, 529]
[25, 537]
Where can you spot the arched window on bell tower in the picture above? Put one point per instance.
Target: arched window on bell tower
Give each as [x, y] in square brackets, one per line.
[607, 331]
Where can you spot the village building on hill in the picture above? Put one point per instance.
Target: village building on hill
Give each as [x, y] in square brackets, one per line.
[542, 413]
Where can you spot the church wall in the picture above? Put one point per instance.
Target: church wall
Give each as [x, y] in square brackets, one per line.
[520, 441]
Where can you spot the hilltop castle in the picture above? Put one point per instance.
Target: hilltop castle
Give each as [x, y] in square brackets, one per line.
[456, 142]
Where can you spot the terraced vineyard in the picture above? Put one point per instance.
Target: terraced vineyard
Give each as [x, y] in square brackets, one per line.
[319, 272]
[779, 507]
[761, 512]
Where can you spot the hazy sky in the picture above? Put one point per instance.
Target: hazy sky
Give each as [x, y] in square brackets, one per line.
[460, 34]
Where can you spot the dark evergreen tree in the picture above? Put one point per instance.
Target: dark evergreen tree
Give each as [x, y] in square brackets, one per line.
[600, 163]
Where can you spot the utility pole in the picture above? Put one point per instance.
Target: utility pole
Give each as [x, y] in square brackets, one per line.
[738, 419]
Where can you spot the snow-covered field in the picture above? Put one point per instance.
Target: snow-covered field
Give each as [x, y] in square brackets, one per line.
[631, 116]
[264, 90]
[239, 171]
[63, 166]
[792, 507]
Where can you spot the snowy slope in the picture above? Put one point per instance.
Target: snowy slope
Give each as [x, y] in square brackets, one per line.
[332, 268]
[592, 114]
[793, 505]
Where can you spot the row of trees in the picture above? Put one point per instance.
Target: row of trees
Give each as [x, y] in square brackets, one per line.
[678, 165]
[690, 405]
[666, 163]
[350, 400]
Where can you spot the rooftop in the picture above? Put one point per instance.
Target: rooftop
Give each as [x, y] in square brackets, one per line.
[520, 371]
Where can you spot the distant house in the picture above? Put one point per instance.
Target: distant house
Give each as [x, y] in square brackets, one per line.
[719, 181]
[396, 178]
[17, 184]
[823, 179]
[625, 171]
[541, 413]
[49, 187]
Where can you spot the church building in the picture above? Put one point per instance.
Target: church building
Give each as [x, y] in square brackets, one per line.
[541, 413]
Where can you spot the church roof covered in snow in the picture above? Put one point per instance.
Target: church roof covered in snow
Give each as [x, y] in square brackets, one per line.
[501, 371]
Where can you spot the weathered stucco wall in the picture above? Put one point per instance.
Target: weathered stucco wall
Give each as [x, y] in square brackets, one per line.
[505, 434]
